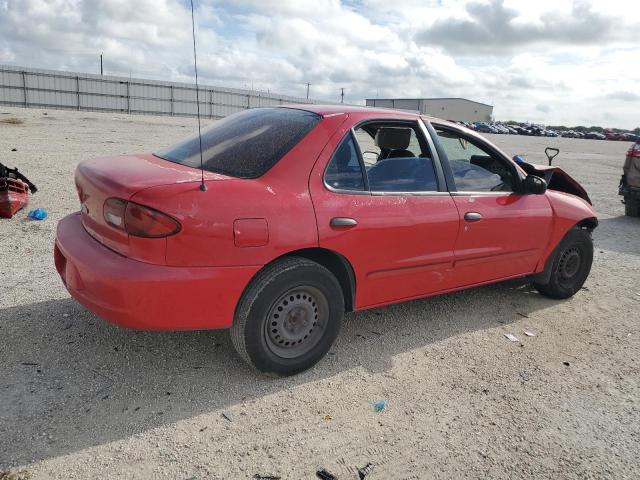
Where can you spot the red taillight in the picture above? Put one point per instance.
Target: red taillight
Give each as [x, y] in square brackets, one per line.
[138, 220]
[634, 151]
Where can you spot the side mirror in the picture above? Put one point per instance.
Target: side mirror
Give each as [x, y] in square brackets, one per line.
[534, 185]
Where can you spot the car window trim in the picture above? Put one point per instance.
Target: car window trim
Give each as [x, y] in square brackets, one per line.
[435, 157]
[483, 146]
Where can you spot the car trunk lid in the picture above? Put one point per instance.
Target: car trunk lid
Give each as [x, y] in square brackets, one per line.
[122, 177]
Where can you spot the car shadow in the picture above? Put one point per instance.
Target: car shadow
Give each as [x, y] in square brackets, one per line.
[71, 381]
[618, 234]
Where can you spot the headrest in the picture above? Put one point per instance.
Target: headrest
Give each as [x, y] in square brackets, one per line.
[393, 138]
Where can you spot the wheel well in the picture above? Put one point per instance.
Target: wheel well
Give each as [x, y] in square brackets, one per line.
[336, 264]
[588, 223]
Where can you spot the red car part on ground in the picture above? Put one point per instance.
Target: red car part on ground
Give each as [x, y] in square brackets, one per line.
[14, 195]
[305, 205]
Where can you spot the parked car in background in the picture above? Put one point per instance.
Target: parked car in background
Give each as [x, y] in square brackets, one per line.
[500, 128]
[594, 136]
[630, 182]
[305, 213]
[570, 134]
[614, 136]
[484, 128]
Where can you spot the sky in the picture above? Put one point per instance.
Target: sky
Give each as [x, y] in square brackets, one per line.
[548, 61]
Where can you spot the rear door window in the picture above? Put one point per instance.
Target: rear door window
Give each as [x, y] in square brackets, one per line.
[245, 144]
[344, 171]
[383, 158]
[396, 158]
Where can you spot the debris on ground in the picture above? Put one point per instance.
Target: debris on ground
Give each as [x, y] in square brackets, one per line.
[328, 417]
[257, 476]
[380, 406]
[364, 471]
[227, 415]
[38, 214]
[14, 191]
[511, 337]
[12, 121]
[566, 364]
[14, 475]
[14, 149]
[323, 474]
[529, 334]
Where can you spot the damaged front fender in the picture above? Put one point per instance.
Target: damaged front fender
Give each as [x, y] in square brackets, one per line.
[557, 179]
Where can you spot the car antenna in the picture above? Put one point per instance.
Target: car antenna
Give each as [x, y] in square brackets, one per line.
[203, 187]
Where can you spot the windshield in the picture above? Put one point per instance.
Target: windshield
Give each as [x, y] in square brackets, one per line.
[245, 144]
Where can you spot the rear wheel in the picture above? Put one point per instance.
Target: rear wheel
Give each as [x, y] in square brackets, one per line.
[571, 265]
[288, 317]
[631, 208]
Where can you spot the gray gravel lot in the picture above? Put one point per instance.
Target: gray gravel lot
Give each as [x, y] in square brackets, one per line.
[80, 398]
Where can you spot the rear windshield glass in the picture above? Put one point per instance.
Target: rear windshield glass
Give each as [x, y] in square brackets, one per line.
[245, 144]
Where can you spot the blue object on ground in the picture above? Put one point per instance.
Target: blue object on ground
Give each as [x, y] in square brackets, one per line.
[380, 406]
[38, 214]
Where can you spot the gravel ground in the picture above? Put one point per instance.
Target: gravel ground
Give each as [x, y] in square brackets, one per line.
[80, 398]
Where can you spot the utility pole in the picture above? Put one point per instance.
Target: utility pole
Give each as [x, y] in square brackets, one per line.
[100, 64]
[308, 85]
[342, 95]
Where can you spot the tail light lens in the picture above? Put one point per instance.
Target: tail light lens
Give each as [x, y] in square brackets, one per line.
[634, 151]
[138, 220]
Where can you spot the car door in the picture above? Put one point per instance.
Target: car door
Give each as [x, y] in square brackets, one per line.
[387, 212]
[503, 233]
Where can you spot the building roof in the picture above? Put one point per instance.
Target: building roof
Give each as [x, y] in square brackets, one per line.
[440, 98]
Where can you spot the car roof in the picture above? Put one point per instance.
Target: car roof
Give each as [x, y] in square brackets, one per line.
[326, 110]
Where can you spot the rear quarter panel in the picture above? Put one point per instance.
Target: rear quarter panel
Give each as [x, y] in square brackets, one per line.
[280, 199]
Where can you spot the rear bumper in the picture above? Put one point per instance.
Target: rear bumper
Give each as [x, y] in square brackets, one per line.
[144, 296]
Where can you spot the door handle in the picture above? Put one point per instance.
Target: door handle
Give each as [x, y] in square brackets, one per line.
[343, 222]
[472, 216]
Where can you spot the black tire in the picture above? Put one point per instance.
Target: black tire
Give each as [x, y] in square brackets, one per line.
[571, 265]
[288, 317]
[631, 208]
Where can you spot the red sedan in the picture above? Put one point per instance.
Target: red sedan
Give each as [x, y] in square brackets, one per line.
[310, 212]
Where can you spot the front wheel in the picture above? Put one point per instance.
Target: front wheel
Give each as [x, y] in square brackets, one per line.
[288, 317]
[571, 265]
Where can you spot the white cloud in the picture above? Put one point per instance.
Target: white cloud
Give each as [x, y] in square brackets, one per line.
[577, 60]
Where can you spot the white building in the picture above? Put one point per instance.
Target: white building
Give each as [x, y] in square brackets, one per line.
[458, 109]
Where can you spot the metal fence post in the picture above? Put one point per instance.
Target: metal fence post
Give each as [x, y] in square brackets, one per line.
[171, 87]
[128, 98]
[210, 103]
[78, 92]
[248, 101]
[24, 87]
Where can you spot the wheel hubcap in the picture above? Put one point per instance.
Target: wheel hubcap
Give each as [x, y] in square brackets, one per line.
[569, 263]
[296, 322]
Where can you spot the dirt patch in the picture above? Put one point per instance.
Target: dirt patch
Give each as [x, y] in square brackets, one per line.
[12, 121]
